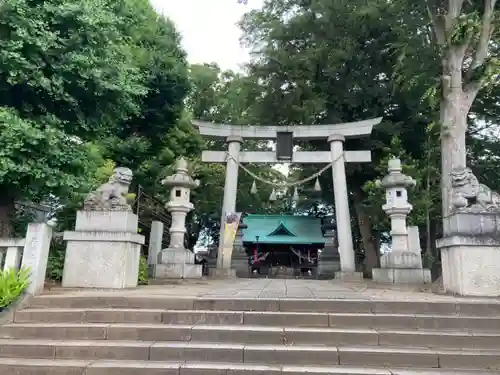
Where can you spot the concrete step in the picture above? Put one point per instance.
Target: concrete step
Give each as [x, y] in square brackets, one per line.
[446, 307]
[295, 355]
[246, 334]
[283, 319]
[103, 367]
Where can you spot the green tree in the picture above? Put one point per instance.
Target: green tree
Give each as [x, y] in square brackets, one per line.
[151, 139]
[67, 76]
[227, 97]
[459, 42]
[323, 62]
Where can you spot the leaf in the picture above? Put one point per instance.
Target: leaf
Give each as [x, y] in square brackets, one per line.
[12, 285]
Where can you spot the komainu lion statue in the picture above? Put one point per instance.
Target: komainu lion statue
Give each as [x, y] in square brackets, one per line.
[469, 195]
[111, 195]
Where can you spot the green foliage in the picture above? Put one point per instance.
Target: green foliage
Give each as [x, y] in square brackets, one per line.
[22, 217]
[82, 87]
[225, 97]
[69, 61]
[12, 285]
[143, 271]
[424, 197]
[428, 260]
[55, 264]
[153, 138]
[38, 154]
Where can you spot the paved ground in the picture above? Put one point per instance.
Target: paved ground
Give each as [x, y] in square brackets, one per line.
[274, 288]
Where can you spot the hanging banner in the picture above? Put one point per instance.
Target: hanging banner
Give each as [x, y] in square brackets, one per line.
[231, 223]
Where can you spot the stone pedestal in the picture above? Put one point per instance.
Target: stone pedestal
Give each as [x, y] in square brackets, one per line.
[347, 276]
[103, 251]
[239, 257]
[223, 273]
[177, 263]
[401, 275]
[403, 267]
[470, 254]
[328, 264]
[329, 258]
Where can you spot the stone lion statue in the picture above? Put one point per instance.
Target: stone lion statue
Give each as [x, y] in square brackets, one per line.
[111, 195]
[469, 194]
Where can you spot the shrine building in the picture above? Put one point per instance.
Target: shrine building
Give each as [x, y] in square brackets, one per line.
[284, 241]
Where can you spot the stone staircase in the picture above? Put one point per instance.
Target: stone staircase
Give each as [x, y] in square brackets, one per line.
[152, 335]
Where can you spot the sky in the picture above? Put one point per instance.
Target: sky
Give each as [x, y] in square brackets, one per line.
[208, 28]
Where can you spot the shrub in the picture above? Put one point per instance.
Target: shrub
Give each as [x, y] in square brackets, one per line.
[55, 264]
[12, 285]
[143, 271]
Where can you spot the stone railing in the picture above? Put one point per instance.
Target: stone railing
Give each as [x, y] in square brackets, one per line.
[31, 252]
[11, 252]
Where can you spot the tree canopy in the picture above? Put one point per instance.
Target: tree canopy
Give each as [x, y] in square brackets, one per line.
[84, 82]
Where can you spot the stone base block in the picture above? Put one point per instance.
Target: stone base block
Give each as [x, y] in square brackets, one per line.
[327, 268]
[242, 271]
[240, 266]
[102, 260]
[106, 221]
[177, 271]
[176, 256]
[471, 265]
[349, 276]
[404, 260]
[223, 273]
[401, 276]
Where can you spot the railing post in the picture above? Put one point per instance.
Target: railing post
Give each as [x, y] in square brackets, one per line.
[155, 244]
[13, 258]
[12, 253]
[36, 254]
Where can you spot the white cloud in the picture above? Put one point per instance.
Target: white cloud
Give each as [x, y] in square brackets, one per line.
[208, 28]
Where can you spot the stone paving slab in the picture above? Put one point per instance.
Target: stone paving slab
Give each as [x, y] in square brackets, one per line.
[273, 289]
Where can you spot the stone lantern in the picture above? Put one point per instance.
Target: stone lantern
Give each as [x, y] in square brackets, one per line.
[177, 262]
[404, 263]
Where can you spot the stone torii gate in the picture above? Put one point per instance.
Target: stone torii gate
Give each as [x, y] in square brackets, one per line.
[334, 134]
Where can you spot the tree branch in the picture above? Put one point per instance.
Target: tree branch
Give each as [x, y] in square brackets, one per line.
[472, 87]
[482, 45]
[484, 38]
[454, 10]
[437, 26]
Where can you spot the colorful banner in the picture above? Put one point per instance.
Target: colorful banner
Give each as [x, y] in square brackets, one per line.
[231, 223]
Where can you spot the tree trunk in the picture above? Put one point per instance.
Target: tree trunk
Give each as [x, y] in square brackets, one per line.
[369, 243]
[455, 107]
[7, 209]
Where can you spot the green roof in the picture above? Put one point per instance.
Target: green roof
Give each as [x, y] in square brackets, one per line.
[281, 229]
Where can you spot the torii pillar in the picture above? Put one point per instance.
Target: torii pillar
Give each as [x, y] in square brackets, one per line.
[229, 202]
[335, 134]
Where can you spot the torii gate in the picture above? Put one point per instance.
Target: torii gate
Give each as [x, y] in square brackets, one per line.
[334, 134]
